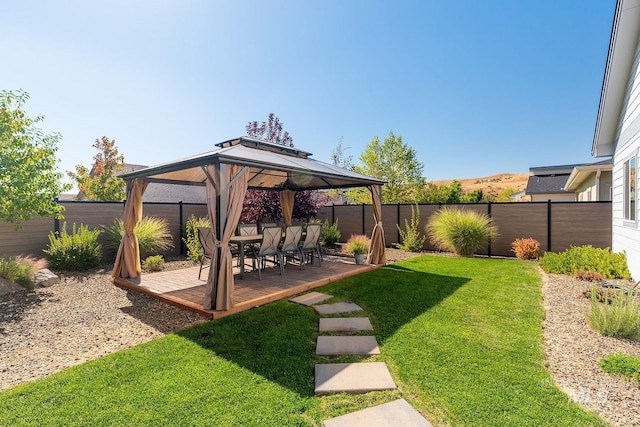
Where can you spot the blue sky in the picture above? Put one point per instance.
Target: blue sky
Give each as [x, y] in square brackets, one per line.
[475, 87]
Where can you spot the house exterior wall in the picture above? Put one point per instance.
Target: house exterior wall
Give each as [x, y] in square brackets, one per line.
[626, 234]
[560, 197]
[594, 190]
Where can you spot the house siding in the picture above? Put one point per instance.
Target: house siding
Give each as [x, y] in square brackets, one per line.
[562, 197]
[586, 192]
[626, 234]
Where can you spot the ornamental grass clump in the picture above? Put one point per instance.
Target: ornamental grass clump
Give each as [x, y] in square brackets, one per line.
[21, 270]
[77, 251]
[620, 318]
[357, 244]
[153, 263]
[154, 236]
[460, 231]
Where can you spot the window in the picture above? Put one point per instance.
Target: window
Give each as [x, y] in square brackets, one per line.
[630, 189]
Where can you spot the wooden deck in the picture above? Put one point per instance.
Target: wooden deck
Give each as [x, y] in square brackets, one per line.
[183, 289]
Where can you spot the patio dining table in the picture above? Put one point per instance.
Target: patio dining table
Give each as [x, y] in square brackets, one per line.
[242, 242]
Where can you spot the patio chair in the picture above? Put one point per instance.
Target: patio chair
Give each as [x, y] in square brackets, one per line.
[267, 224]
[205, 236]
[269, 246]
[247, 229]
[291, 243]
[311, 244]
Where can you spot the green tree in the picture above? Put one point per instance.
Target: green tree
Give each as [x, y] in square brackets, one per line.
[101, 183]
[395, 162]
[433, 193]
[29, 178]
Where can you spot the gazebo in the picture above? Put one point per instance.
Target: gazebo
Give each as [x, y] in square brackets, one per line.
[227, 173]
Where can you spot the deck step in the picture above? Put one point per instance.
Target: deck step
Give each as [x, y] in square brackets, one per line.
[336, 308]
[311, 298]
[392, 414]
[352, 378]
[344, 324]
[352, 345]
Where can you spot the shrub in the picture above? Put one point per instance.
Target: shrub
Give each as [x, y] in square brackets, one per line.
[153, 263]
[330, 233]
[21, 269]
[621, 318]
[153, 235]
[412, 239]
[528, 248]
[357, 244]
[191, 241]
[605, 295]
[621, 364]
[609, 264]
[460, 231]
[589, 276]
[77, 251]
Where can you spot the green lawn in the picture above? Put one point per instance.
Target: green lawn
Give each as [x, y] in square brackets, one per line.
[462, 338]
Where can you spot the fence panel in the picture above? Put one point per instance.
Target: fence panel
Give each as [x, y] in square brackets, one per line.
[31, 239]
[576, 224]
[518, 220]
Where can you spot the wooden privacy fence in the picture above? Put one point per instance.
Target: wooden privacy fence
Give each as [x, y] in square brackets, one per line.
[556, 225]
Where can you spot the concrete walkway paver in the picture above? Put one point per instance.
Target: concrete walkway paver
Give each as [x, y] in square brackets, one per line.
[345, 324]
[311, 298]
[352, 378]
[392, 414]
[354, 345]
[336, 308]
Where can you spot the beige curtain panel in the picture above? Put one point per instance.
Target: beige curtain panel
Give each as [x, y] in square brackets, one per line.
[219, 288]
[376, 252]
[212, 277]
[127, 264]
[287, 198]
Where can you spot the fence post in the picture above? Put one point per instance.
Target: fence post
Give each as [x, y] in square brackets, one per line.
[180, 227]
[333, 213]
[489, 215]
[363, 232]
[398, 222]
[549, 225]
[56, 222]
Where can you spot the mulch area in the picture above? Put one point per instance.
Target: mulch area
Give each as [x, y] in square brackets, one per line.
[86, 317]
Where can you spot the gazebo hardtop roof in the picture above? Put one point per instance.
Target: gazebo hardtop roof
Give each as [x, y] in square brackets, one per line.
[271, 166]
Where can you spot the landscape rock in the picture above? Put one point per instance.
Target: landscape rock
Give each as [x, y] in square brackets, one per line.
[45, 278]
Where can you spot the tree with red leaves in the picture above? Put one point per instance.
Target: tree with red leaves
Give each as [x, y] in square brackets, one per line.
[260, 204]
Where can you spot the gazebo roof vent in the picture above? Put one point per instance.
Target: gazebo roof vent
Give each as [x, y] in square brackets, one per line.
[264, 145]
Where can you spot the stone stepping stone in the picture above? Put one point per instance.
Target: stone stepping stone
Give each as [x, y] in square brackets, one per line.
[354, 345]
[311, 298]
[352, 378]
[345, 324]
[336, 308]
[392, 414]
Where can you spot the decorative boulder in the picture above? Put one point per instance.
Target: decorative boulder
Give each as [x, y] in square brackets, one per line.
[45, 278]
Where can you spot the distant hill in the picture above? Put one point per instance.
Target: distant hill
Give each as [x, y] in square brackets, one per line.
[494, 184]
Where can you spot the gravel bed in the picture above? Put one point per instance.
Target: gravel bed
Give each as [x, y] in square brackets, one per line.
[573, 350]
[85, 317]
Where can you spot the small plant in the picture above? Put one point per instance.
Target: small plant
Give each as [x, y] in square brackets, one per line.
[330, 233]
[604, 295]
[191, 241]
[20, 270]
[620, 319]
[528, 248]
[460, 231]
[358, 244]
[153, 235]
[621, 364]
[77, 251]
[153, 263]
[412, 239]
[610, 265]
[589, 276]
